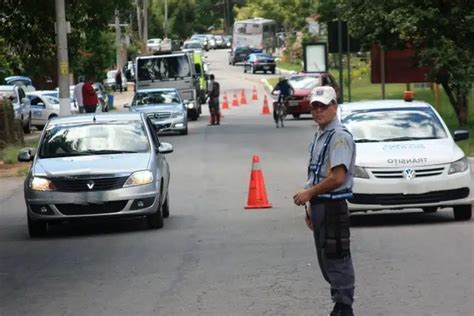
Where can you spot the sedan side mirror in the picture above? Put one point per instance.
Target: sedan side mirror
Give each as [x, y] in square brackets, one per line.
[461, 134]
[26, 155]
[165, 148]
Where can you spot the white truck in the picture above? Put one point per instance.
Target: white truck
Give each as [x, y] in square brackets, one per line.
[170, 70]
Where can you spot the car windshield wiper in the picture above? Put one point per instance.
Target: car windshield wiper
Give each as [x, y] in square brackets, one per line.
[366, 140]
[406, 138]
[106, 152]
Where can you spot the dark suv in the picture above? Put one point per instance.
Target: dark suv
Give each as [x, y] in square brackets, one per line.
[240, 54]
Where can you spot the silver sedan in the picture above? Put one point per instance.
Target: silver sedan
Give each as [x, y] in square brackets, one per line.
[97, 165]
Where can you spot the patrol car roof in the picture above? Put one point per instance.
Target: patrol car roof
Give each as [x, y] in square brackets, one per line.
[382, 104]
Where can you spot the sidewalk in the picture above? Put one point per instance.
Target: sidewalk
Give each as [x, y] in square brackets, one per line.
[123, 98]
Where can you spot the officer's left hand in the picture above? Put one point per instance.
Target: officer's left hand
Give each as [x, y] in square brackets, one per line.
[302, 197]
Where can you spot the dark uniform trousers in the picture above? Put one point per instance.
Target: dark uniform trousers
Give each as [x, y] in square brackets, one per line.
[332, 239]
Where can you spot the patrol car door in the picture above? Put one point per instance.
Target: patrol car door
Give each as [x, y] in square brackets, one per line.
[39, 111]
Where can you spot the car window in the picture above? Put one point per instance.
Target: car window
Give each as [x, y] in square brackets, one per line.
[34, 100]
[393, 124]
[83, 139]
[156, 98]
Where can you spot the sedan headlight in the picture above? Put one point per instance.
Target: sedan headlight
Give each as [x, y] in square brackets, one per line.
[41, 184]
[190, 105]
[360, 172]
[459, 166]
[139, 178]
[177, 114]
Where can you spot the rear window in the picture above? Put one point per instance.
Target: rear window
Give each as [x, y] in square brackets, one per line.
[304, 82]
[163, 68]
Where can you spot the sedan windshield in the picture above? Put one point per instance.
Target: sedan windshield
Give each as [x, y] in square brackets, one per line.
[155, 98]
[304, 82]
[393, 124]
[83, 139]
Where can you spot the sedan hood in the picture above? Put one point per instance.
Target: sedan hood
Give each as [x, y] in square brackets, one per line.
[91, 165]
[158, 108]
[407, 153]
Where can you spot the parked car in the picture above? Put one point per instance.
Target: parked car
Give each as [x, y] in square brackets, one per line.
[190, 46]
[102, 95]
[21, 104]
[45, 106]
[303, 84]
[109, 81]
[260, 62]
[90, 166]
[240, 54]
[219, 41]
[407, 158]
[227, 41]
[201, 38]
[153, 44]
[165, 108]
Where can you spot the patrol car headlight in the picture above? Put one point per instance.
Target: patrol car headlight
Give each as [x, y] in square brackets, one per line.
[41, 184]
[360, 172]
[139, 178]
[460, 165]
[178, 114]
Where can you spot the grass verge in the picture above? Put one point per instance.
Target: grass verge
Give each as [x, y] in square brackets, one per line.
[9, 154]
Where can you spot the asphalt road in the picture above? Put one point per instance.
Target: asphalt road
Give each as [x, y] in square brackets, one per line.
[215, 258]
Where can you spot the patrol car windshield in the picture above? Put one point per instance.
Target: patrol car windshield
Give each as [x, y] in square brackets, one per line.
[393, 124]
[156, 98]
[84, 139]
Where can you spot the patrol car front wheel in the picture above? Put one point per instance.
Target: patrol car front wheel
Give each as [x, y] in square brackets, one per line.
[462, 212]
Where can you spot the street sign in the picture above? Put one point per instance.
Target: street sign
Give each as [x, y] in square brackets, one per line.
[315, 57]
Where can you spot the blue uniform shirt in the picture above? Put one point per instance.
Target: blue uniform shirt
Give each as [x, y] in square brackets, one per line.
[340, 151]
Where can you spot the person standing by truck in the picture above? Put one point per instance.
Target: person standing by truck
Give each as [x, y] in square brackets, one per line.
[89, 97]
[214, 91]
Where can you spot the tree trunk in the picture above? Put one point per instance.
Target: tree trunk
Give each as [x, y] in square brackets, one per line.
[139, 20]
[463, 109]
[458, 99]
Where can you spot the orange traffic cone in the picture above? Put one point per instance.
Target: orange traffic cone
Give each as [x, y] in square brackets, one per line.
[235, 102]
[265, 109]
[257, 197]
[254, 94]
[243, 100]
[225, 105]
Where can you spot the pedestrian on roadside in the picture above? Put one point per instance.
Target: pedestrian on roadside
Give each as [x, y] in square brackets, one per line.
[89, 97]
[118, 80]
[213, 95]
[77, 95]
[330, 178]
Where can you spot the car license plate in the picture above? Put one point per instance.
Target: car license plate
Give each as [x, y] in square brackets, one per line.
[266, 67]
[293, 103]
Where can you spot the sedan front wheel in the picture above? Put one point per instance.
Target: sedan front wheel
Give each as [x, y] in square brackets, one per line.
[155, 220]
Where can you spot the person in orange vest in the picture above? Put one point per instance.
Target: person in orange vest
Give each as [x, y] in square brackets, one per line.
[213, 94]
[89, 97]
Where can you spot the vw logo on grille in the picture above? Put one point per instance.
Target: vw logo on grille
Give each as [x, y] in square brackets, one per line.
[409, 173]
[90, 185]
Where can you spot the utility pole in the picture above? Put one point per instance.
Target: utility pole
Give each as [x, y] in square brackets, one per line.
[145, 22]
[165, 24]
[118, 42]
[63, 62]
[339, 42]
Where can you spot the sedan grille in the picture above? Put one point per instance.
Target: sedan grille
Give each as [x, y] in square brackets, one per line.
[398, 174]
[159, 115]
[400, 199]
[92, 184]
[89, 209]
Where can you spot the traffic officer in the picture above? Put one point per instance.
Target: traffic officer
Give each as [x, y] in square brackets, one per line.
[213, 94]
[330, 176]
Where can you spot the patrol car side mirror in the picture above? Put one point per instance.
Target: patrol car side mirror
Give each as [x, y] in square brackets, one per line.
[461, 134]
[165, 148]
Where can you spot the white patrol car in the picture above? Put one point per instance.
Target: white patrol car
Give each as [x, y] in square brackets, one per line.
[44, 106]
[407, 158]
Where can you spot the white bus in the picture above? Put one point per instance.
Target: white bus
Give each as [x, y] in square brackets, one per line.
[257, 33]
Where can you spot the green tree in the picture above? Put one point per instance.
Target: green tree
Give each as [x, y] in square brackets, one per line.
[27, 29]
[290, 14]
[181, 18]
[442, 33]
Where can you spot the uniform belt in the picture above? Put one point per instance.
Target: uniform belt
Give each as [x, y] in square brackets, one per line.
[334, 196]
